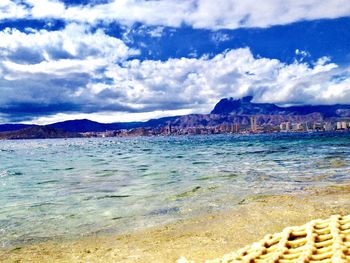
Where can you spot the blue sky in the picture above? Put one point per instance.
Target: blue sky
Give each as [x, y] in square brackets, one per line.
[128, 60]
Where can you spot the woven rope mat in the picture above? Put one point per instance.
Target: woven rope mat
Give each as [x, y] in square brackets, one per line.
[319, 241]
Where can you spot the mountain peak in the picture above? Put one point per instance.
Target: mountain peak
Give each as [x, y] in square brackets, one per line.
[247, 99]
[229, 105]
[245, 106]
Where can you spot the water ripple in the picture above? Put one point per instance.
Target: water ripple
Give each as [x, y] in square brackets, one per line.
[63, 188]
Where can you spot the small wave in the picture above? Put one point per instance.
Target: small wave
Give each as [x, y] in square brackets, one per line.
[125, 157]
[37, 205]
[339, 177]
[105, 197]
[164, 211]
[6, 150]
[48, 182]
[187, 193]
[200, 162]
[110, 170]
[3, 173]
[106, 174]
[112, 196]
[117, 218]
[229, 175]
[203, 178]
[220, 153]
[146, 150]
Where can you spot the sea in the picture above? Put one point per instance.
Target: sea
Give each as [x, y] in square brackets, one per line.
[62, 189]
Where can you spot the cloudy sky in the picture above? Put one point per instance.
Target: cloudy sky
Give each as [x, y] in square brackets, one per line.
[127, 60]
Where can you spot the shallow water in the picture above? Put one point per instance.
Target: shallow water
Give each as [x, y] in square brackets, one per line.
[53, 189]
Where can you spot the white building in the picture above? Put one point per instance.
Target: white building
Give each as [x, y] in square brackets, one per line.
[285, 126]
[253, 125]
[342, 125]
[297, 126]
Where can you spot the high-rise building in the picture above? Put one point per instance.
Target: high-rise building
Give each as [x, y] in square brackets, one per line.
[235, 127]
[338, 125]
[253, 125]
[342, 125]
[285, 126]
[169, 130]
[328, 126]
[297, 126]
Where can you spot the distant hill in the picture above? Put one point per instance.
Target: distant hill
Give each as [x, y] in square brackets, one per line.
[244, 106]
[37, 132]
[159, 122]
[85, 125]
[14, 127]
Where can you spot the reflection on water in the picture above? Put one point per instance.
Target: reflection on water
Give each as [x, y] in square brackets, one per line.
[65, 188]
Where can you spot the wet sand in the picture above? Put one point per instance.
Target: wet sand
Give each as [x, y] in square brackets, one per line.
[200, 238]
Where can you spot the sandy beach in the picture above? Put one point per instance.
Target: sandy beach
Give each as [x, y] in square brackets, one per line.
[200, 238]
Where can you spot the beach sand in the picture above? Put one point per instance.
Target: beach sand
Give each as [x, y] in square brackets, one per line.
[200, 238]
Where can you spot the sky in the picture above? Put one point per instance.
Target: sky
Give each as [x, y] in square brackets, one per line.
[133, 60]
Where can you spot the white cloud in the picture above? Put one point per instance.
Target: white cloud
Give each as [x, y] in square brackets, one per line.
[58, 67]
[46, 8]
[45, 70]
[80, 71]
[200, 83]
[73, 42]
[50, 75]
[10, 10]
[228, 14]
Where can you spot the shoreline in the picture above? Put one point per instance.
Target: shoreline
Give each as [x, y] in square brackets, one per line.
[242, 133]
[205, 237]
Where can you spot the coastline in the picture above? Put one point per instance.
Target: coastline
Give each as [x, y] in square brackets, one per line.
[198, 238]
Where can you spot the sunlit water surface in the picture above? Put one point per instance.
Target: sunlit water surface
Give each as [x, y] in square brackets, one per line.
[52, 189]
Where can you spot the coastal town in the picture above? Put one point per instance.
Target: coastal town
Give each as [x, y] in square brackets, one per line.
[229, 116]
[227, 128]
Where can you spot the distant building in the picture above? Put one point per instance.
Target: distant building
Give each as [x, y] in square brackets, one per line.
[338, 125]
[285, 126]
[235, 127]
[222, 128]
[297, 127]
[307, 126]
[253, 126]
[317, 126]
[328, 126]
[169, 129]
[342, 125]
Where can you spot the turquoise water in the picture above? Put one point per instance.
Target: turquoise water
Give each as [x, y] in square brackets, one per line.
[53, 189]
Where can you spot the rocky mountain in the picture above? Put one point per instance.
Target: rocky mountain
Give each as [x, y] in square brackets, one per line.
[37, 132]
[245, 106]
